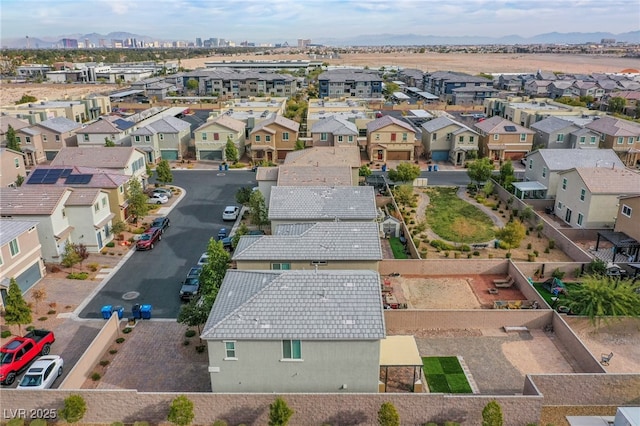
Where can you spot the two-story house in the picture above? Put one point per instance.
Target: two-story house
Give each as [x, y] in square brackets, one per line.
[334, 131]
[328, 341]
[323, 245]
[109, 128]
[503, 140]
[444, 139]
[350, 83]
[20, 254]
[57, 133]
[30, 139]
[164, 139]
[622, 136]
[304, 204]
[388, 139]
[553, 133]
[91, 217]
[543, 165]
[46, 206]
[273, 138]
[127, 161]
[627, 222]
[211, 138]
[11, 166]
[588, 197]
[7, 121]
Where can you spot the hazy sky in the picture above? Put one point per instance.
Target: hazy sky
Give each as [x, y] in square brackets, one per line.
[288, 20]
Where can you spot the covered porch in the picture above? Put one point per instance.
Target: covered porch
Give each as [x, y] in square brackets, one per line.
[400, 353]
[529, 189]
[625, 249]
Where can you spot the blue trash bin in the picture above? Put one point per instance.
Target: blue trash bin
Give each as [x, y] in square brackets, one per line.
[430, 167]
[220, 167]
[145, 311]
[384, 167]
[119, 310]
[435, 168]
[226, 167]
[135, 312]
[106, 312]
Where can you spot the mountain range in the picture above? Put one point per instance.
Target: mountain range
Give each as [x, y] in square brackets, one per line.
[360, 40]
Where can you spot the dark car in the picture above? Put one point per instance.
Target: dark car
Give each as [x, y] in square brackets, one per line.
[256, 232]
[227, 242]
[148, 240]
[190, 288]
[222, 233]
[161, 222]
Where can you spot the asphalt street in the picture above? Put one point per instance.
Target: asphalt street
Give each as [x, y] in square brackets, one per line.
[156, 275]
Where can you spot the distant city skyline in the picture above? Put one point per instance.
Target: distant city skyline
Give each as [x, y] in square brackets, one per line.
[277, 21]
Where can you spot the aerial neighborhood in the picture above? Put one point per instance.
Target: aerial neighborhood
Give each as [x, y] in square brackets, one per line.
[338, 237]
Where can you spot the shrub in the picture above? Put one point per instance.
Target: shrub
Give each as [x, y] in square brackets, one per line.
[138, 231]
[469, 255]
[5, 334]
[439, 244]
[531, 257]
[476, 253]
[120, 340]
[186, 343]
[38, 422]
[141, 424]
[465, 247]
[104, 362]
[552, 244]
[127, 330]
[219, 423]
[74, 409]
[279, 412]
[557, 273]
[110, 244]
[492, 414]
[388, 415]
[446, 254]
[190, 333]
[31, 328]
[16, 422]
[507, 255]
[78, 276]
[95, 377]
[536, 253]
[113, 351]
[43, 318]
[117, 424]
[546, 250]
[51, 312]
[93, 267]
[55, 268]
[200, 348]
[503, 245]
[529, 246]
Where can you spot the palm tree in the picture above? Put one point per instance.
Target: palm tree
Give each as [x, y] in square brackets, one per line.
[603, 298]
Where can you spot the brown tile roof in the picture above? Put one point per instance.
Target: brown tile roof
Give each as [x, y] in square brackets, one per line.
[290, 175]
[600, 180]
[16, 123]
[280, 120]
[325, 156]
[614, 127]
[385, 121]
[106, 179]
[83, 197]
[497, 124]
[31, 200]
[225, 121]
[267, 173]
[103, 157]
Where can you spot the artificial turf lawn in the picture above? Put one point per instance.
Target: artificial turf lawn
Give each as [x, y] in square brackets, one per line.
[562, 299]
[445, 375]
[398, 248]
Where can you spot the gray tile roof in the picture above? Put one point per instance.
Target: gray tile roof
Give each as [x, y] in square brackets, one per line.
[12, 229]
[563, 159]
[169, 125]
[114, 157]
[497, 124]
[321, 203]
[442, 122]
[614, 127]
[551, 124]
[279, 120]
[322, 241]
[385, 121]
[83, 197]
[305, 305]
[293, 228]
[59, 124]
[325, 156]
[335, 125]
[290, 175]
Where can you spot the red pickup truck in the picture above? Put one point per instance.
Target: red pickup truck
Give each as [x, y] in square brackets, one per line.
[17, 354]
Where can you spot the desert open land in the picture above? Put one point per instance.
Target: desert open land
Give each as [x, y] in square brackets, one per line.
[473, 63]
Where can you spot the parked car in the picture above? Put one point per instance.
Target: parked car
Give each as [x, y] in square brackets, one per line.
[17, 353]
[163, 191]
[222, 233]
[157, 199]
[148, 240]
[42, 373]
[256, 232]
[161, 222]
[194, 271]
[227, 243]
[203, 258]
[190, 288]
[231, 213]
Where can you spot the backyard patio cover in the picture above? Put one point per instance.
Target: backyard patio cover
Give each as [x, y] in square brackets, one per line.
[529, 186]
[400, 351]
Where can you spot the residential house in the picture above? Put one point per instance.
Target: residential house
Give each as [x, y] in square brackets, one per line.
[267, 178]
[251, 111]
[123, 160]
[356, 111]
[11, 166]
[7, 121]
[20, 254]
[472, 95]
[89, 213]
[322, 245]
[587, 88]
[537, 88]
[349, 83]
[30, 139]
[553, 133]
[560, 88]
[111, 128]
[589, 197]
[543, 165]
[87, 177]
[240, 83]
[622, 136]
[503, 140]
[328, 341]
[164, 139]
[412, 77]
[511, 83]
[57, 133]
[627, 221]
[388, 139]
[631, 97]
[273, 138]
[445, 139]
[304, 204]
[44, 205]
[583, 138]
[334, 131]
[443, 83]
[336, 157]
[526, 112]
[211, 138]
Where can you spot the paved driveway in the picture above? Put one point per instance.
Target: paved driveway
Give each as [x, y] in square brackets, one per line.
[153, 277]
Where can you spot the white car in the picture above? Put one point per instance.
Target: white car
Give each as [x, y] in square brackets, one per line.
[163, 191]
[231, 213]
[42, 373]
[157, 199]
[203, 259]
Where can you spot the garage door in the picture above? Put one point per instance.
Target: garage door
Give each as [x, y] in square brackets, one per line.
[398, 155]
[440, 155]
[282, 154]
[510, 155]
[169, 154]
[210, 155]
[29, 277]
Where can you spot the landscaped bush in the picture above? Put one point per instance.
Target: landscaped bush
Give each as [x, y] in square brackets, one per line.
[78, 275]
[441, 245]
[113, 351]
[51, 312]
[127, 330]
[43, 318]
[31, 328]
[5, 334]
[110, 244]
[120, 340]
[138, 231]
[476, 253]
[446, 254]
[186, 343]
[503, 245]
[93, 267]
[104, 362]
[529, 246]
[465, 247]
[190, 333]
[552, 244]
[95, 377]
[200, 348]
[557, 273]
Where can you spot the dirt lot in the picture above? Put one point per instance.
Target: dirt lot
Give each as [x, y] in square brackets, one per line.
[10, 93]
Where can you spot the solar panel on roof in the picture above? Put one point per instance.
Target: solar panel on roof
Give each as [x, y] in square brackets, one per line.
[510, 128]
[65, 173]
[78, 179]
[39, 172]
[54, 173]
[49, 179]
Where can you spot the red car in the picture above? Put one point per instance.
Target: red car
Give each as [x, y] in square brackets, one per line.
[17, 354]
[148, 240]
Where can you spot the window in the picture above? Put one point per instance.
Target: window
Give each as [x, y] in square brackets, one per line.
[339, 138]
[620, 140]
[216, 136]
[461, 139]
[57, 138]
[630, 140]
[626, 210]
[285, 136]
[86, 137]
[64, 213]
[96, 207]
[18, 139]
[582, 140]
[323, 137]
[496, 137]
[147, 138]
[350, 138]
[14, 248]
[405, 137]
[434, 136]
[560, 205]
[291, 349]
[377, 136]
[137, 138]
[559, 138]
[580, 217]
[471, 139]
[44, 138]
[17, 162]
[523, 137]
[267, 138]
[583, 192]
[530, 164]
[104, 202]
[564, 184]
[121, 189]
[230, 350]
[280, 266]
[319, 262]
[544, 172]
[27, 139]
[161, 136]
[257, 138]
[593, 140]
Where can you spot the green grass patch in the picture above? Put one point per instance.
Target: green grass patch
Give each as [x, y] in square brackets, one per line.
[445, 375]
[562, 299]
[454, 219]
[398, 248]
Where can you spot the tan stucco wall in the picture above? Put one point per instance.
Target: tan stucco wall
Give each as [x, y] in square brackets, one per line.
[629, 225]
